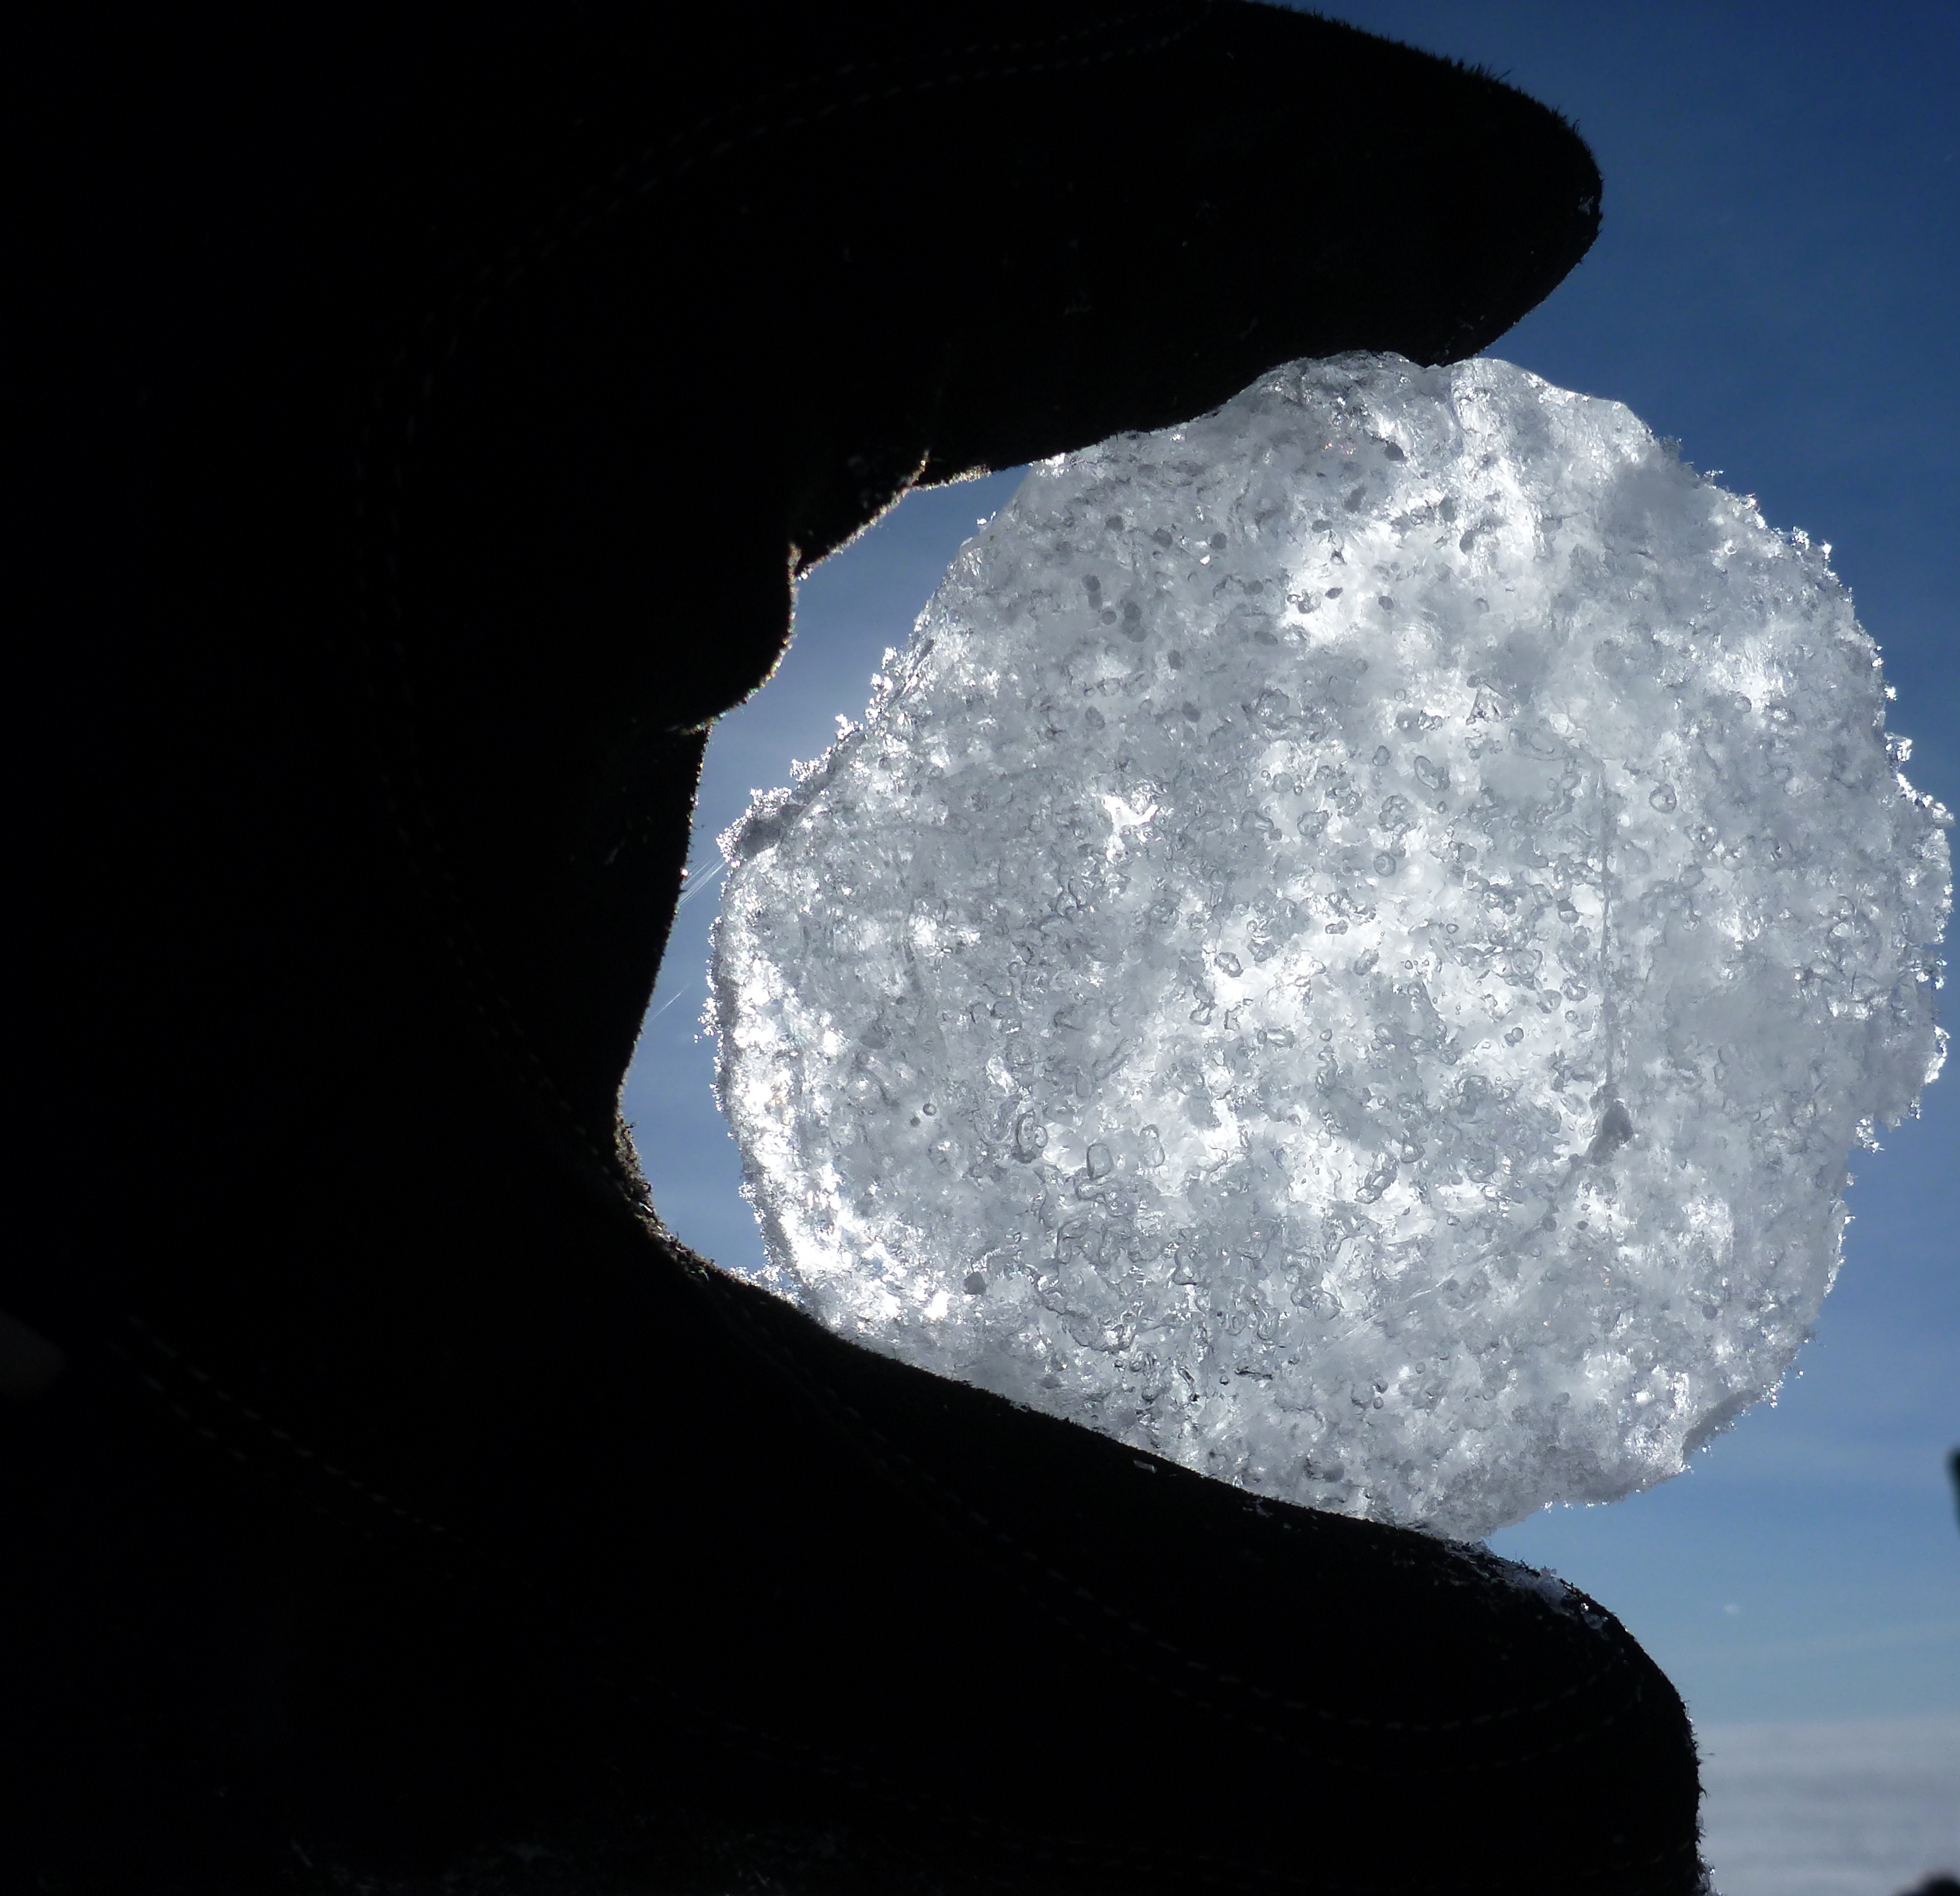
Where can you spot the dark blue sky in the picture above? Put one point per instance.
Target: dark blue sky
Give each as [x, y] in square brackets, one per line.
[1777, 285]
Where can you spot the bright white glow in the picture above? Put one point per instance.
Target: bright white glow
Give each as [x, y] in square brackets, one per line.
[1349, 952]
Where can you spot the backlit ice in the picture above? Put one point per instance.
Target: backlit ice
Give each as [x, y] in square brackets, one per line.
[1352, 952]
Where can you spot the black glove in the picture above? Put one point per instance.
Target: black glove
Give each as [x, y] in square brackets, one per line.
[423, 414]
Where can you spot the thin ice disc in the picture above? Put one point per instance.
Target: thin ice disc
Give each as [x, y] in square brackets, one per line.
[1351, 951]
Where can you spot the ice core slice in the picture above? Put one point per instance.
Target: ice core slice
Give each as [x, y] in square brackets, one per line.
[1351, 951]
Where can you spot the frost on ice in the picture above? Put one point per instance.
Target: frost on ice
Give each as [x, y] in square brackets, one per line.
[1351, 951]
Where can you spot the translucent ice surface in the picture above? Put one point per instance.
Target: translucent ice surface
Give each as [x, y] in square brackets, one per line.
[1351, 951]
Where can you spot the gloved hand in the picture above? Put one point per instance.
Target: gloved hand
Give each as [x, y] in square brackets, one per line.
[426, 415]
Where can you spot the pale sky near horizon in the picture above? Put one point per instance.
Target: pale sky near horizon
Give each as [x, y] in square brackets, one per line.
[1778, 285]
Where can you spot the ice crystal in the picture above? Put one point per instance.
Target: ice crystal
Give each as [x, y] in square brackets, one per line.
[1351, 951]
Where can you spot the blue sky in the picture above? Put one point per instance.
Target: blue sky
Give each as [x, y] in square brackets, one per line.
[1778, 285]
